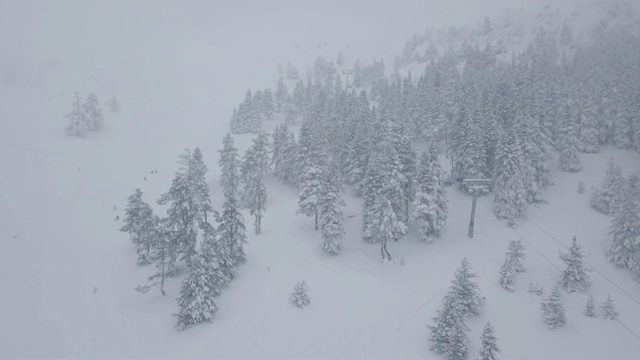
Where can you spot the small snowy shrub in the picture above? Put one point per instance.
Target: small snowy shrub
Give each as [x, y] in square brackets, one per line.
[581, 187]
[553, 310]
[535, 289]
[590, 310]
[609, 309]
[300, 297]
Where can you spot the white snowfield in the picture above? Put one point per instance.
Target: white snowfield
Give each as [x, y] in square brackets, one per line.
[178, 69]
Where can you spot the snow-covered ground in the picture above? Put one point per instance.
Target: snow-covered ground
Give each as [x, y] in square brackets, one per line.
[178, 68]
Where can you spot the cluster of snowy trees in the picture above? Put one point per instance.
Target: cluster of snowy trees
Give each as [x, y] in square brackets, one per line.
[343, 139]
[619, 196]
[448, 334]
[248, 116]
[85, 116]
[192, 240]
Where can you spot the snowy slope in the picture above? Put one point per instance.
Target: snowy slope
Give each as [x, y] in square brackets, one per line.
[515, 26]
[68, 275]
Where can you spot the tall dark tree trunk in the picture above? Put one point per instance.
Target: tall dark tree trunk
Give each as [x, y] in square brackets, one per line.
[316, 220]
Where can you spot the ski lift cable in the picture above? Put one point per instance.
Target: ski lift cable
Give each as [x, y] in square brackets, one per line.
[586, 262]
[559, 270]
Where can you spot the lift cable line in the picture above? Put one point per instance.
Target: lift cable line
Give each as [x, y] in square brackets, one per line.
[587, 263]
[560, 270]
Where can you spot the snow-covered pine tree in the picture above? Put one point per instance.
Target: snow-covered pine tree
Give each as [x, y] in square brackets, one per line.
[507, 274]
[469, 159]
[516, 253]
[300, 295]
[383, 224]
[231, 236]
[553, 310]
[311, 162]
[625, 229]
[510, 190]
[267, 104]
[581, 187]
[183, 214]
[197, 175]
[609, 311]
[537, 156]
[568, 142]
[466, 290]
[229, 163]
[281, 95]
[91, 107]
[430, 203]
[589, 142]
[139, 222]
[255, 166]
[407, 157]
[574, 276]
[489, 348]
[203, 283]
[610, 193]
[284, 155]
[235, 124]
[161, 255]
[589, 309]
[448, 335]
[77, 119]
[331, 217]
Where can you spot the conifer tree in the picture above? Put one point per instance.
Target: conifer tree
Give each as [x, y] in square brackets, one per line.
[197, 174]
[77, 119]
[162, 256]
[311, 162]
[609, 311]
[283, 155]
[574, 276]
[610, 193]
[515, 253]
[91, 107]
[536, 157]
[430, 204]
[589, 309]
[139, 222]
[489, 348]
[507, 274]
[309, 197]
[255, 166]
[407, 158]
[469, 160]
[231, 236]
[281, 95]
[182, 214]
[229, 163]
[300, 295]
[448, 335]
[625, 229]
[589, 142]
[267, 104]
[568, 142]
[553, 310]
[466, 290]
[331, 217]
[510, 191]
[189, 202]
[199, 288]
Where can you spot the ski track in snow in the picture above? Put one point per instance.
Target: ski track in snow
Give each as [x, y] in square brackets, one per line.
[68, 274]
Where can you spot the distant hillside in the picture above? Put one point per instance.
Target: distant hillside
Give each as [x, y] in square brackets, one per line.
[512, 31]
